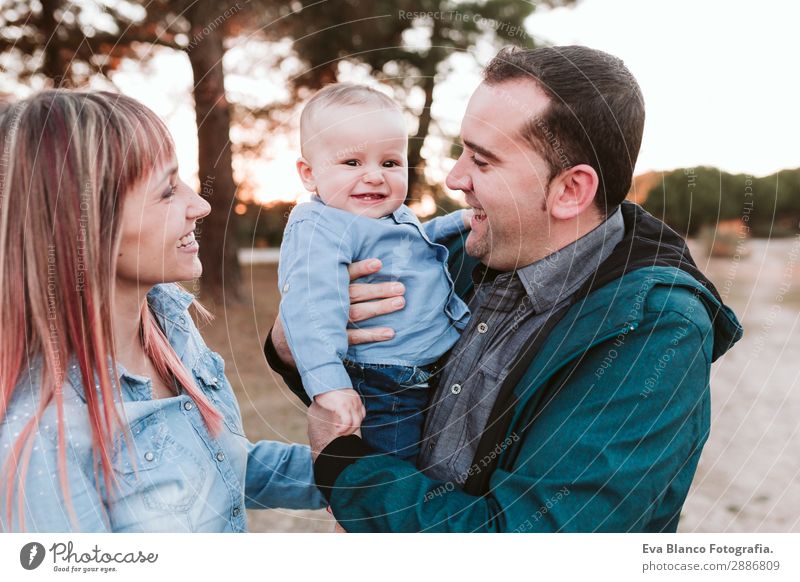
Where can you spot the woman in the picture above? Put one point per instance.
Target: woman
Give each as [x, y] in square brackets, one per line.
[115, 416]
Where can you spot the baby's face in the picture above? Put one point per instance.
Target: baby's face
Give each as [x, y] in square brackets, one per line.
[356, 159]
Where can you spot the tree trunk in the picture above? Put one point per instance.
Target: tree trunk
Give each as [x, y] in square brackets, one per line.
[218, 248]
[416, 165]
[53, 66]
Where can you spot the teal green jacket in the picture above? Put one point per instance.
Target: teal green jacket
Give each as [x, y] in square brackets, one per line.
[607, 421]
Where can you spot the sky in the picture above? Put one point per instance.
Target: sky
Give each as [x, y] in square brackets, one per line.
[720, 81]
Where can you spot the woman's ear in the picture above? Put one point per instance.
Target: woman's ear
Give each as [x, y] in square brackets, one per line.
[306, 174]
[572, 192]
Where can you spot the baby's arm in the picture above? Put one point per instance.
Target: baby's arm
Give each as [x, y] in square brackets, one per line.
[314, 282]
[442, 228]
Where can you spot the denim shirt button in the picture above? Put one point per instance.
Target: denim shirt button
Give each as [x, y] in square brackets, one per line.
[236, 512]
[188, 405]
[482, 327]
[220, 456]
[149, 456]
[455, 388]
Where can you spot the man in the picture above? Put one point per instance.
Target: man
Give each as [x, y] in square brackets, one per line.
[577, 398]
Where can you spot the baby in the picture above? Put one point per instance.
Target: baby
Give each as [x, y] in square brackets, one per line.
[354, 142]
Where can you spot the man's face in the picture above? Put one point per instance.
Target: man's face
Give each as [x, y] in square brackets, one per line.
[503, 178]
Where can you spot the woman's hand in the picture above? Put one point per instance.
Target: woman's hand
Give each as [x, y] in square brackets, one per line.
[367, 300]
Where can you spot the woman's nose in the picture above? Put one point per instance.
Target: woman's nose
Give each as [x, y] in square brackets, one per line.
[198, 208]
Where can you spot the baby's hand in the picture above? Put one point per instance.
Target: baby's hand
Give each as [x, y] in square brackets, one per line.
[346, 405]
[466, 215]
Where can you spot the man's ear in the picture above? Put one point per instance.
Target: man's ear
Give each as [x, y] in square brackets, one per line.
[572, 192]
[306, 174]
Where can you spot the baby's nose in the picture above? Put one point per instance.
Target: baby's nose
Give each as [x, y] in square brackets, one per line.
[373, 177]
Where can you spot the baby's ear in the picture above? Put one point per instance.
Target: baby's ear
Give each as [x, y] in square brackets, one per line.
[306, 174]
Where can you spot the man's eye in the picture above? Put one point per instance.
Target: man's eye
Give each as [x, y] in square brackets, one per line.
[351, 162]
[478, 162]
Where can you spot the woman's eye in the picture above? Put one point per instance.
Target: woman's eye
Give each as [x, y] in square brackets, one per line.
[351, 162]
[478, 162]
[170, 192]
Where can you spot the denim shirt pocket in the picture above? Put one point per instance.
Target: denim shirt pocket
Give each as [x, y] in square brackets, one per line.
[209, 370]
[160, 471]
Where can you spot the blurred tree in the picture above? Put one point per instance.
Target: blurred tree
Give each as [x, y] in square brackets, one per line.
[407, 44]
[69, 42]
[690, 199]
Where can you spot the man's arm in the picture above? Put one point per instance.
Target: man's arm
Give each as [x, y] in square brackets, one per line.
[601, 455]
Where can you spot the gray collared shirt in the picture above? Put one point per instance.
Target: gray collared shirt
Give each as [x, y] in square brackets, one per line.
[508, 309]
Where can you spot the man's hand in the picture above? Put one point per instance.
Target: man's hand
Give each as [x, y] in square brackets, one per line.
[323, 428]
[367, 300]
[346, 406]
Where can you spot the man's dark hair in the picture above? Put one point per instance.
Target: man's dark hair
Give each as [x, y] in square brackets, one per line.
[595, 116]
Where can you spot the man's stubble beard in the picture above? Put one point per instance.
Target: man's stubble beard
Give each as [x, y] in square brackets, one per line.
[480, 248]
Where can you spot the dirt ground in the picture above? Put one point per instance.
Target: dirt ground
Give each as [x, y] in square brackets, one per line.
[748, 479]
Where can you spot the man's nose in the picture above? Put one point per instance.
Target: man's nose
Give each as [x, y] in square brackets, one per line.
[457, 180]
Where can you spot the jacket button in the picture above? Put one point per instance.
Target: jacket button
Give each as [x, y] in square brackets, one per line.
[149, 456]
[482, 327]
[188, 405]
[455, 388]
[236, 512]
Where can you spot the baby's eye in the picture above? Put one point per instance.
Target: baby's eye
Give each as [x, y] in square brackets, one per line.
[391, 164]
[352, 162]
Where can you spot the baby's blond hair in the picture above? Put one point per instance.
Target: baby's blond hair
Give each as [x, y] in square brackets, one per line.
[343, 94]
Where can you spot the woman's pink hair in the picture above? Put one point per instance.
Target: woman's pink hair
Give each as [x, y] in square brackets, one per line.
[68, 160]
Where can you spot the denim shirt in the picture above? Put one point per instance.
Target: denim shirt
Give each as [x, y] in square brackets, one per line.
[175, 477]
[319, 243]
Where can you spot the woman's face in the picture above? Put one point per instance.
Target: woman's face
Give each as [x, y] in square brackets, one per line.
[158, 223]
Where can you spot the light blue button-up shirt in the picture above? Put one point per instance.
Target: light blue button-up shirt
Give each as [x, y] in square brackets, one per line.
[319, 243]
[176, 477]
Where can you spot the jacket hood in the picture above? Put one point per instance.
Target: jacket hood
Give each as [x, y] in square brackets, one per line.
[648, 242]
